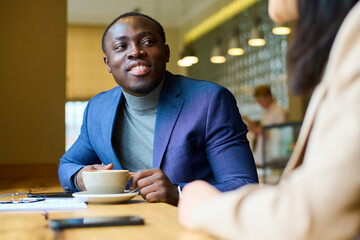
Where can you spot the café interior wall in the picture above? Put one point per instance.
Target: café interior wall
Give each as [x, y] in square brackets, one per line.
[85, 69]
[265, 69]
[32, 81]
[203, 15]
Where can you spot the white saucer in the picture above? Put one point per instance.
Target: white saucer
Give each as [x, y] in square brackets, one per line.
[104, 198]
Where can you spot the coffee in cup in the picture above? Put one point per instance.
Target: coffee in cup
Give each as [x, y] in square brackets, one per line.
[105, 181]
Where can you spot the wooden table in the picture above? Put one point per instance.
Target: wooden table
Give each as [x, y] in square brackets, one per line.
[160, 218]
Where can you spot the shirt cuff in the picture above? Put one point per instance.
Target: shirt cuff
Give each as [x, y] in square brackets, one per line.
[73, 179]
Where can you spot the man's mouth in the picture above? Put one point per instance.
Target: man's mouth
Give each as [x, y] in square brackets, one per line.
[139, 70]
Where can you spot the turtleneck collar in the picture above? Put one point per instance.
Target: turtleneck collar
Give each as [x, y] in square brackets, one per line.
[144, 103]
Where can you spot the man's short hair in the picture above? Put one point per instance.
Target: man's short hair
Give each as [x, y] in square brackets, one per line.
[131, 14]
[262, 91]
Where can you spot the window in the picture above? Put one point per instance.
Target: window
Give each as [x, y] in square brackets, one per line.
[74, 111]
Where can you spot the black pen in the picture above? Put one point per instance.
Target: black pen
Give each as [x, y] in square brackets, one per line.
[50, 195]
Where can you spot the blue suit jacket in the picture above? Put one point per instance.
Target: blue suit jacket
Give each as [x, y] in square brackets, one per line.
[199, 134]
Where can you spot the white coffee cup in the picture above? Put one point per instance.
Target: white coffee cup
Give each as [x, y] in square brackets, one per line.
[105, 181]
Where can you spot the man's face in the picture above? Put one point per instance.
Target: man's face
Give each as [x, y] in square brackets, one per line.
[136, 55]
[264, 101]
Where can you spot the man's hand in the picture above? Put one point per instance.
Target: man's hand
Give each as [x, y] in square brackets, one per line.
[155, 186]
[79, 178]
[193, 195]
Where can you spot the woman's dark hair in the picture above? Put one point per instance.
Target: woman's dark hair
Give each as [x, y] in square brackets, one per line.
[318, 24]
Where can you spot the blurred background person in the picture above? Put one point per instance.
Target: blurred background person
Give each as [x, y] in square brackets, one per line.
[318, 195]
[273, 114]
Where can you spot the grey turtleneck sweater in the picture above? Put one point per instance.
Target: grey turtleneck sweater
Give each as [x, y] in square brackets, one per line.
[134, 130]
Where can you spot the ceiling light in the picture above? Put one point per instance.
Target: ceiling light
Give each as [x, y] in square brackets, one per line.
[216, 54]
[280, 29]
[184, 63]
[256, 35]
[190, 55]
[234, 46]
[187, 58]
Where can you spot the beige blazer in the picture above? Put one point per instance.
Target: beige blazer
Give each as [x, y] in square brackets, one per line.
[318, 196]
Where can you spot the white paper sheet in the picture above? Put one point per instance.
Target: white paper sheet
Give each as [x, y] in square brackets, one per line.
[48, 204]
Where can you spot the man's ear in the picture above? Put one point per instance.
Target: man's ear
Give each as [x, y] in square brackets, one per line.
[167, 50]
[106, 61]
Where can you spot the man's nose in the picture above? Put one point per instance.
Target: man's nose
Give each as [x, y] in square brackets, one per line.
[136, 52]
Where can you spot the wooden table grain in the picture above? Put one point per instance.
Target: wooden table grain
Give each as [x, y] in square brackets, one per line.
[160, 218]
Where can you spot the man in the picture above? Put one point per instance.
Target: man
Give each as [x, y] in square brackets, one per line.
[168, 129]
[273, 114]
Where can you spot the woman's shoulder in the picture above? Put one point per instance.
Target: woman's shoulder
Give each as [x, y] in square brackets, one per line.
[343, 66]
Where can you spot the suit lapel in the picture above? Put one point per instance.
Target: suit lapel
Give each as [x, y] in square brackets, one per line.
[299, 151]
[108, 126]
[168, 110]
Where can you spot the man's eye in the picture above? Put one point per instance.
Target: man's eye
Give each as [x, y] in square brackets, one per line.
[119, 46]
[148, 42]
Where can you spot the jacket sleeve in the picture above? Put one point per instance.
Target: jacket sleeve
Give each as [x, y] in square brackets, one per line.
[80, 154]
[227, 147]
